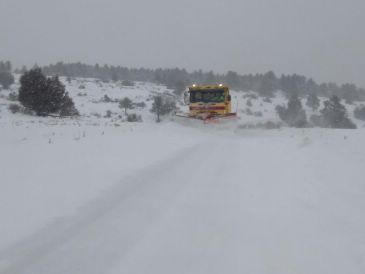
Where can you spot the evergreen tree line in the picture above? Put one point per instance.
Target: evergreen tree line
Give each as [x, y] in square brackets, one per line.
[47, 96]
[265, 84]
[332, 115]
[6, 66]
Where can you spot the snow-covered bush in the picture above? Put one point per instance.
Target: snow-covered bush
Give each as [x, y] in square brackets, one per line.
[13, 96]
[359, 112]
[106, 99]
[267, 100]
[134, 118]
[250, 96]
[257, 114]
[271, 125]
[108, 114]
[14, 108]
[127, 83]
[139, 105]
[96, 114]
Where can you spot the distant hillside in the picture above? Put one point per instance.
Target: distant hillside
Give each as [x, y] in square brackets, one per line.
[265, 84]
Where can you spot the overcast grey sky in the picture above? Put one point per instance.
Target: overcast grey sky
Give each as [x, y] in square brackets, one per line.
[323, 39]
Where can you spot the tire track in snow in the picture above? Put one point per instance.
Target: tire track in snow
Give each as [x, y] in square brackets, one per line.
[106, 229]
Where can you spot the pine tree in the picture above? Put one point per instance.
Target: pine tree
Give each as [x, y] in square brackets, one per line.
[126, 103]
[350, 93]
[162, 106]
[311, 86]
[268, 84]
[232, 79]
[313, 101]
[6, 79]
[23, 70]
[68, 107]
[157, 107]
[8, 66]
[179, 87]
[41, 94]
[294, 114]
[334, 114]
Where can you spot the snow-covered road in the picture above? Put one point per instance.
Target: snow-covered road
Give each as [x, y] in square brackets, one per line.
[284, 203]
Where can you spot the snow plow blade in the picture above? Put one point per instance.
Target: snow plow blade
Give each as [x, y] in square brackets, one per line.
[209, 118]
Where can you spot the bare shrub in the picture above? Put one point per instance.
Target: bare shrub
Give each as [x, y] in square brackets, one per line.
[13, 96]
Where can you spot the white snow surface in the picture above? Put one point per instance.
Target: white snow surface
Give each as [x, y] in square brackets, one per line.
[99, 195]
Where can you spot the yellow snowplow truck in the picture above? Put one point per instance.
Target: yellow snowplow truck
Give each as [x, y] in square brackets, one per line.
[208, 102]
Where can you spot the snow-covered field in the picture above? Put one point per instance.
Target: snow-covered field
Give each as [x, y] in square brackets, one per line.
[100, 195]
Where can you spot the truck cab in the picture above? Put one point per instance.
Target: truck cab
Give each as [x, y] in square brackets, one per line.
[212, 100]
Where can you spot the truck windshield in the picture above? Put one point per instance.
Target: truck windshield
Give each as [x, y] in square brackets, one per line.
[207, 96]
